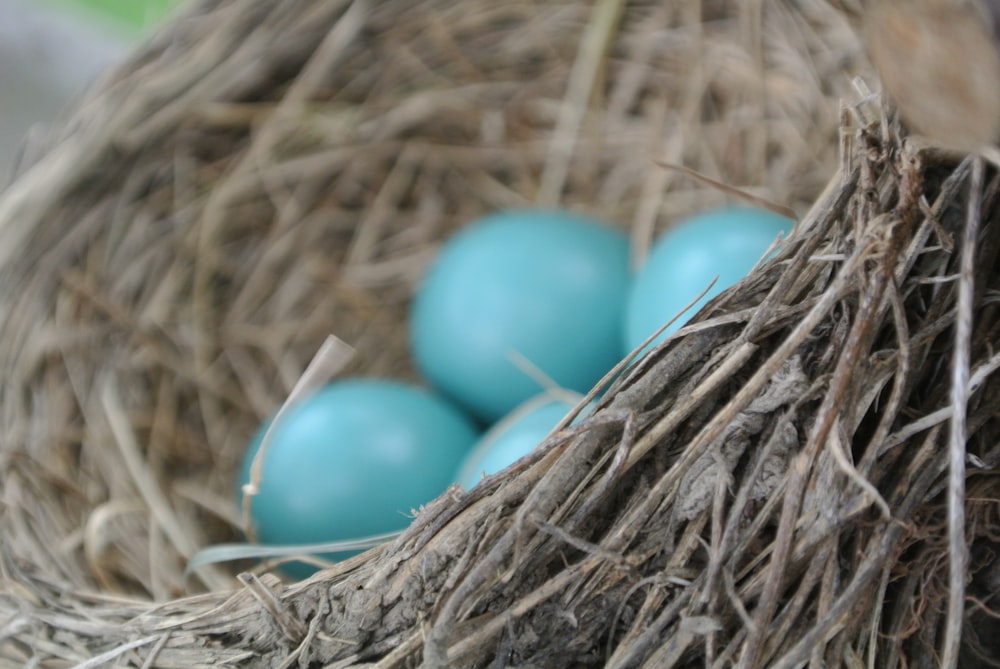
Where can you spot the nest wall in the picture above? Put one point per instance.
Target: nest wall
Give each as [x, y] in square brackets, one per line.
[262, 174]
[294, 183]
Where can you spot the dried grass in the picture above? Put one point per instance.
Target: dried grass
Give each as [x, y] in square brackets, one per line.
[765, 489]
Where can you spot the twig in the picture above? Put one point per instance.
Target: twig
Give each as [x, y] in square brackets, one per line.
[958, 550]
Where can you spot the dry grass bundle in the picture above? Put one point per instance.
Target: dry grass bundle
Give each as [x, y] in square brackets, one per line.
[765, 489]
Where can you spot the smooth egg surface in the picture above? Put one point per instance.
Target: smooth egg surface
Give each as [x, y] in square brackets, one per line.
[513, 437]
[723, 243]
[353, 460]
[549, 285]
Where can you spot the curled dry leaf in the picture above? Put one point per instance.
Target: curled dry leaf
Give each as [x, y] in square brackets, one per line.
[761, 422]
[939, 62]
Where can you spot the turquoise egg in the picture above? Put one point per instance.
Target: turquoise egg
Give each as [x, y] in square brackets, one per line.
[549, 285]
[513, 437]
[726, 243]
[353, 460]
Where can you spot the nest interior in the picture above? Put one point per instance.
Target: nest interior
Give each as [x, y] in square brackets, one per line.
[766, 489]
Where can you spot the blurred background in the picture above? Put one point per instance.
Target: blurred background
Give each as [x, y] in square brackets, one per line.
[51, 49]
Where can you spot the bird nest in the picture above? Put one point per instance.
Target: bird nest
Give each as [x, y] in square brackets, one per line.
[767, 488]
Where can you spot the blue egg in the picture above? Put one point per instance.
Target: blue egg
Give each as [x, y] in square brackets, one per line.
[549, 285]
[513, 437]
[726, 243]
[353, 460]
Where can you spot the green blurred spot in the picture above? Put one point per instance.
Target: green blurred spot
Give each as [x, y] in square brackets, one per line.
[131, 16]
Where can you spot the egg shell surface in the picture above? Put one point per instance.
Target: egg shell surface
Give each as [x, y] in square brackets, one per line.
[682, 262]
[547, 284]
[513, 437]
[353, 460]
